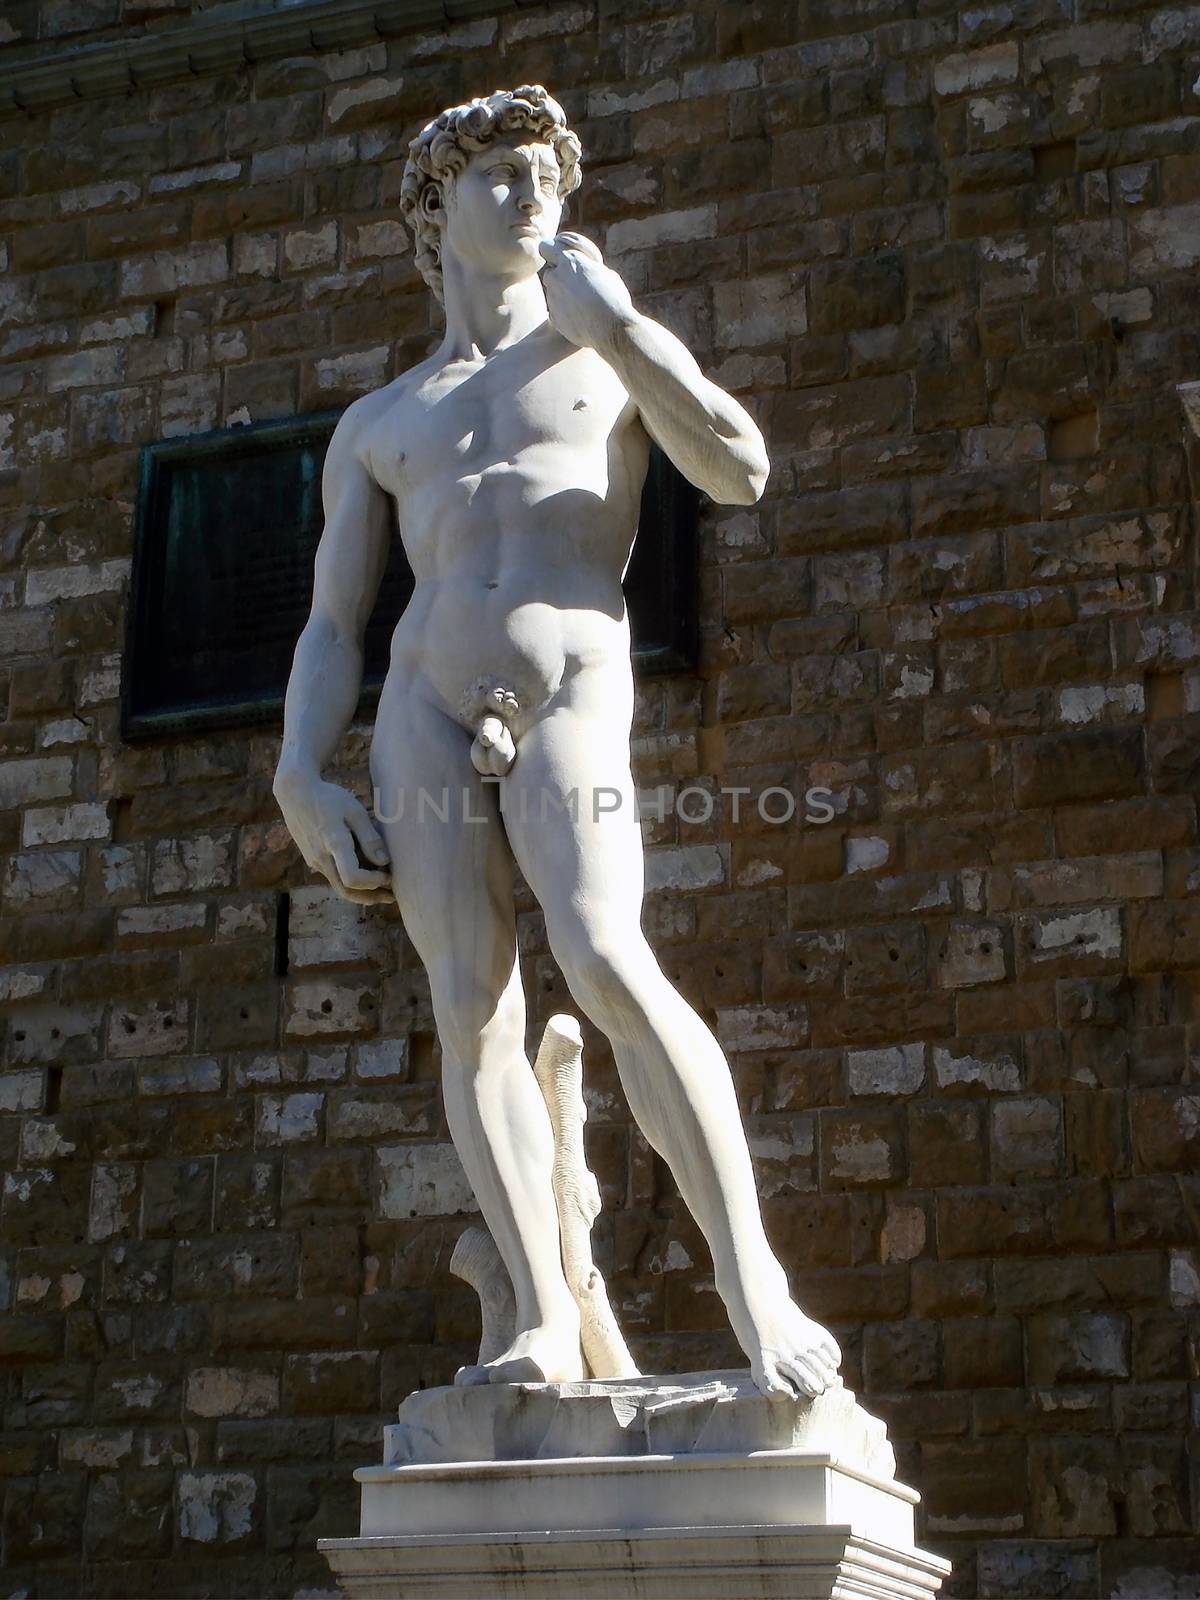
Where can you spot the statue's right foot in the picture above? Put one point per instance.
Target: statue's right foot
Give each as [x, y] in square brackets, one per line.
[549, 1353]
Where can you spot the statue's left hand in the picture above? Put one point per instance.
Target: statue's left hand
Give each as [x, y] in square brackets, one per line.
[587, 301]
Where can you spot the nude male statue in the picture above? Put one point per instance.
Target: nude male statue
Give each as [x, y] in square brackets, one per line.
[515, 457]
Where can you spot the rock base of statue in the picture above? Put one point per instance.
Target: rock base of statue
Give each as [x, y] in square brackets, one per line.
[679, 1488]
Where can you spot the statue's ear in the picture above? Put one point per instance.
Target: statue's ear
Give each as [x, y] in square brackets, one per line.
[432, 204]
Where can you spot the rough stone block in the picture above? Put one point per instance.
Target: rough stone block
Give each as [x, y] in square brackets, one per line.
[239, 1266]
[896, 1070]
[355, 1116]
[1165, 1125]
[176, 1197]
[1027, 1138]
[156, 1029]
[981, 1223]
[128, 1516]
[382, 1059]
[323, 928]
[231, 1392]
[86, 820]
[329, 1007]
[193, 865]
[862, 1150]
[1009, 1568]
[1059, 942]
[331, 1381]
[1074, 1484]
[751, 1028]
[901, 1356]
[43, 1515]
[43, 778]
[1105, 763]
[420, 1180]
[759, 311]
[991, 1064]
[974, 1486]
[946, 1144]
[217, 1508]
[288, 1119]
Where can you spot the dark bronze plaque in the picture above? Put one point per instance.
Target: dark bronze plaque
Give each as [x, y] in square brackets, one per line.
[227, 528]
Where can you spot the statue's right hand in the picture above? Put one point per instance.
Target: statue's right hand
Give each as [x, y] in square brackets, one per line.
[332, 828]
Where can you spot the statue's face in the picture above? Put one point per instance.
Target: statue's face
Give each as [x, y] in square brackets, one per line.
[504, 202]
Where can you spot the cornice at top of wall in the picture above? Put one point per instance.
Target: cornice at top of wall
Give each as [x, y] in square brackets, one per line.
[238, 34]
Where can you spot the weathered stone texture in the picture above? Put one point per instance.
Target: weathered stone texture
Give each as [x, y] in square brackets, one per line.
[949, 261]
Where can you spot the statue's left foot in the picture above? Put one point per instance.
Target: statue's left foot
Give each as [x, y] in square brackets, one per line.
[790, 1354]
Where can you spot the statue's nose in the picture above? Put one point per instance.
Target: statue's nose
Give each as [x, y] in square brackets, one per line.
[528, 204]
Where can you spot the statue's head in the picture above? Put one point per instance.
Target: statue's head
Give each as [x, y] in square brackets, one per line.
[477, 169]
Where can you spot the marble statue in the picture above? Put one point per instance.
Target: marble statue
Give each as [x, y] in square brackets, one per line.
[515, 457]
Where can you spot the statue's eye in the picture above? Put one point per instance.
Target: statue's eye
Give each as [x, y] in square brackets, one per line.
[549, 184]
[504, 172]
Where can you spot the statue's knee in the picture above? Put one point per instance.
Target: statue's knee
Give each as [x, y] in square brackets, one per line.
[472, 1021]
[603, 980]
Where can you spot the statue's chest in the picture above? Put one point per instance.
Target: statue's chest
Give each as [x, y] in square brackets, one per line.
[465, 420]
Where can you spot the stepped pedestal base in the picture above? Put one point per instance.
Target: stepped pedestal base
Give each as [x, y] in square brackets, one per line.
[656, 1489]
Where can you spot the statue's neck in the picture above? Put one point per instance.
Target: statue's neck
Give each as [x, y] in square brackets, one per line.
[485, 313]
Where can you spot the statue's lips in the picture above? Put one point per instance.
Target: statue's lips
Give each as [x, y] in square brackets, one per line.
[530, 228]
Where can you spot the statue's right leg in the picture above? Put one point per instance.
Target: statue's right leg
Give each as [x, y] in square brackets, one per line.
[452, 873]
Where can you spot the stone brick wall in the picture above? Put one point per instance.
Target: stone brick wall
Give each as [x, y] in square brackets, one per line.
[949, 257]
[71, 23]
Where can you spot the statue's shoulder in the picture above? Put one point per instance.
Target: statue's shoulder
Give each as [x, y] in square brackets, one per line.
[355, 423]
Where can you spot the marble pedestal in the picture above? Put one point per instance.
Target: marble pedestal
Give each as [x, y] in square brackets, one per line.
[678, 1488]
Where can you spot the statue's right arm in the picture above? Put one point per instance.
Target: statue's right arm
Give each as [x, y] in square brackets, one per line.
[325, 820]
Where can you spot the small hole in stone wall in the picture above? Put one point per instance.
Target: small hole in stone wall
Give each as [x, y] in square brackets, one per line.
[120, 813]
[54, 1078]
[1072, 437]
[283, 912]
[422, 1053]
[1054, 160]
[1165, 696]
[326, 1006]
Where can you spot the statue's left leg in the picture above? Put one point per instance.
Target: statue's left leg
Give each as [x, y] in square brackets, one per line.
[584, 863]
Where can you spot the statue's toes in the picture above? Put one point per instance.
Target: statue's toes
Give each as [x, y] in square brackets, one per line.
[521, 1369]
[471, 1377]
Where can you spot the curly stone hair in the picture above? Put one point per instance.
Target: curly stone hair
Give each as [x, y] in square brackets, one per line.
[443, 147]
